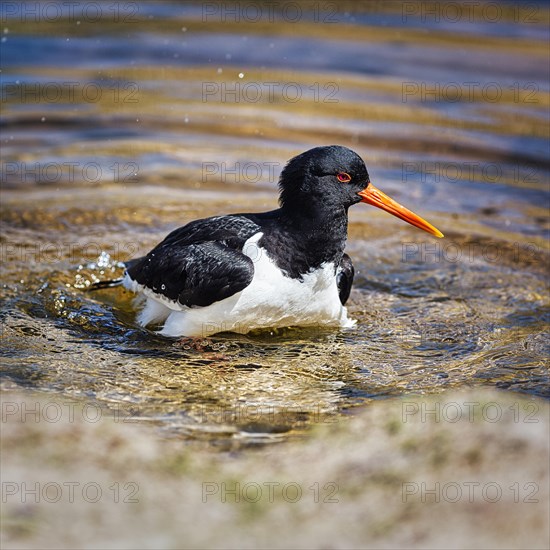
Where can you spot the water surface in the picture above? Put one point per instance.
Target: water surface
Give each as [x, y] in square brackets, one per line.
[115, 132]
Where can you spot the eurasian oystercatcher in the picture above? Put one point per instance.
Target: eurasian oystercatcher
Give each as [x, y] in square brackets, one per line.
[282, 268]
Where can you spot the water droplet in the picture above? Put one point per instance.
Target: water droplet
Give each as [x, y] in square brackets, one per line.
[104, 259]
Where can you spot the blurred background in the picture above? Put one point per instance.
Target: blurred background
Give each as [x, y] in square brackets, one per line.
[124, 120]
[121, 121]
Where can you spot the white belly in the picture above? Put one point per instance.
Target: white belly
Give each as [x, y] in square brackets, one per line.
[270, 300]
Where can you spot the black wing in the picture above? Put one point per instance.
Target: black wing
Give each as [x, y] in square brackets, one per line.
[344, 278]
[200, 263]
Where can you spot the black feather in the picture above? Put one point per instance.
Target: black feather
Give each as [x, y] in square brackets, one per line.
[344, 278]
[200, 263]
[109, 283]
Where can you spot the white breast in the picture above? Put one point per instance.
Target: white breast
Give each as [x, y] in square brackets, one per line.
[270, 300]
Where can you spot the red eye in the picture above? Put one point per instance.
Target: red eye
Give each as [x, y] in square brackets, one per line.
[343, 177]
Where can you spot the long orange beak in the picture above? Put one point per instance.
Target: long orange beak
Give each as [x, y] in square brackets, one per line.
[374, 196]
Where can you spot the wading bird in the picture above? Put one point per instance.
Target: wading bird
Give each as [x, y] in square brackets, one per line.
[282, 268]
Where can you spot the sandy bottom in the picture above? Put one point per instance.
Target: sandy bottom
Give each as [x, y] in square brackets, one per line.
[459, 470]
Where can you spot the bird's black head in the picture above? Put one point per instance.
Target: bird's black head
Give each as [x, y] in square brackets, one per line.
[329, 180]
[332, 175]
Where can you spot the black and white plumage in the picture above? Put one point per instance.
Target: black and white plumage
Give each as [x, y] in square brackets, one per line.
[281, 268]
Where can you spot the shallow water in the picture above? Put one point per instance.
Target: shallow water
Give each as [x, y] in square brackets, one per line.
[115, 132]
